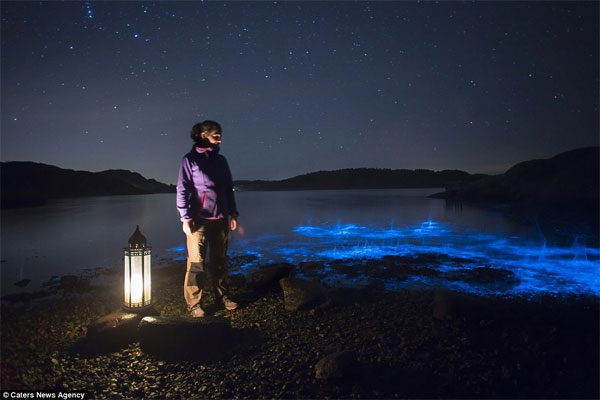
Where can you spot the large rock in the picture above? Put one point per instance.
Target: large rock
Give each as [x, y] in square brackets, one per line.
[267, 277]
[299, 294]
[185, 337]
[336, 366]
[115, 329]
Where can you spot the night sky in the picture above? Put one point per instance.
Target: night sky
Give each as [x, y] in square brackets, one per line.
[298, 87]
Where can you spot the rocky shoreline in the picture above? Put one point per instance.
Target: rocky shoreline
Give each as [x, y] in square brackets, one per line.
[349, 342]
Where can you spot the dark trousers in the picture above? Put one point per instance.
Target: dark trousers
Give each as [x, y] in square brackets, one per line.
[211, 235]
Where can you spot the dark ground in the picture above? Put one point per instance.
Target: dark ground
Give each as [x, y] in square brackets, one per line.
[545, 347]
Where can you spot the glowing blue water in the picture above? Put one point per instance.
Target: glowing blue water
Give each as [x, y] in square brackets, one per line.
[537, 267]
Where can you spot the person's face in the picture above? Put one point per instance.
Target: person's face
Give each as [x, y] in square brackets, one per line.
[213, 137]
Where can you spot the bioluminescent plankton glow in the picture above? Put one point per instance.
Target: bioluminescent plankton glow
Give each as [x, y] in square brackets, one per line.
[537, 268]
[427, 228]
[453, 257]
[179, 253]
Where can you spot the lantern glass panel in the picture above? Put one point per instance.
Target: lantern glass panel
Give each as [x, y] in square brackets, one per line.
[127, 280]
[147, 278]
[134, 284]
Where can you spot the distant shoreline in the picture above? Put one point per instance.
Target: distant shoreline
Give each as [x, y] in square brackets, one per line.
[336, 189]
[568, 176]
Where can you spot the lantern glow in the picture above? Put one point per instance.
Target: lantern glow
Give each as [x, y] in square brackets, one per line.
[137, 276]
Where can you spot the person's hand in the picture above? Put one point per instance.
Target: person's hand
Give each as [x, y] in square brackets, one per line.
[233, 223]
[187, 227]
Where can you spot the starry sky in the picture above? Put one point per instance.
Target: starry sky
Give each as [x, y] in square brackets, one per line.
[298, 86]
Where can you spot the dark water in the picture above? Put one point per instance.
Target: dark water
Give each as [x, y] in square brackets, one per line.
[75, 235]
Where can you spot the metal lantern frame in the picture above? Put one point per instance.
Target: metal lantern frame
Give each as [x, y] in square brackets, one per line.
[137, 279]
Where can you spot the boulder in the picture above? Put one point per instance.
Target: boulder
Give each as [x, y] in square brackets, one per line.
[268, 276]
[336, 366]
[300, 294]
[115, 329]
[185, 337]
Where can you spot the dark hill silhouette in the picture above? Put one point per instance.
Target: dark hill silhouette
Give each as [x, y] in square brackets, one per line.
[363, 178]
[31, 184]
[136, 180]
[569, 176]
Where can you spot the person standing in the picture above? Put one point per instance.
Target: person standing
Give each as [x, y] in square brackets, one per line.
[207, 209]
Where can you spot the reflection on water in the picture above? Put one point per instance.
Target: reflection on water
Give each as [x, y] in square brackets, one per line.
[69, 235]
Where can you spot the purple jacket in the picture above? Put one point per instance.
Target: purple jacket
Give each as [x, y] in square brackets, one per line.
[205, 186]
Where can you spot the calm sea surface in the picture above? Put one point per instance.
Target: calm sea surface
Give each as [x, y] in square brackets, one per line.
[71, 236]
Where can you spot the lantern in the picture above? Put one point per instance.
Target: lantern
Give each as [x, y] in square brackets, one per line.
[137, 272]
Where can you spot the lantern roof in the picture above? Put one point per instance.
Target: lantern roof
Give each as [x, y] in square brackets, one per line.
[137, 239]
